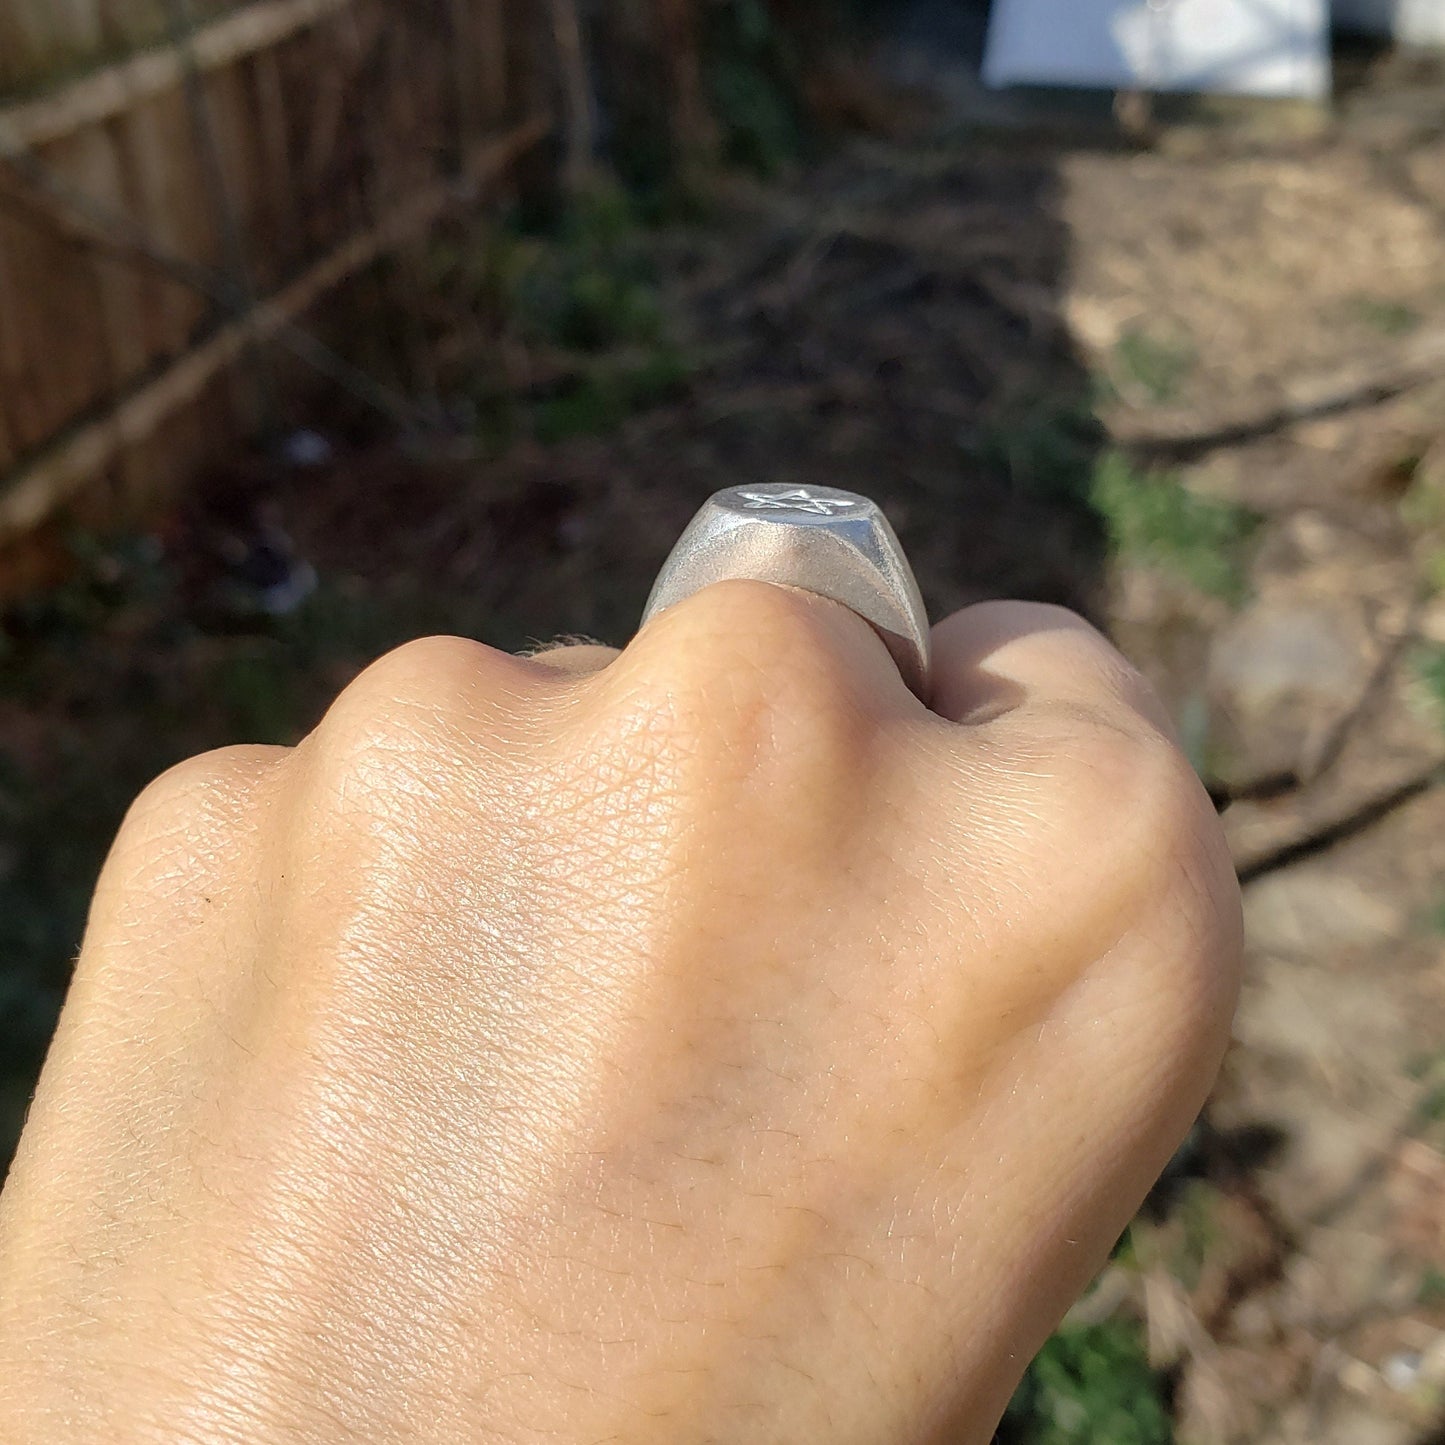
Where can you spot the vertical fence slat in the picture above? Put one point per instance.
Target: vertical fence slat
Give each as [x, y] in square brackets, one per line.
[72, 308]
[12, 355]
[51, 304]
[275, 148]
[79, 30]
[95, 171]
[170, 197]
[14, 43]
[226, 122]
[159, 332]
[9, 450]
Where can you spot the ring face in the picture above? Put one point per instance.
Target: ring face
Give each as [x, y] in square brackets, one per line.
[833, 543]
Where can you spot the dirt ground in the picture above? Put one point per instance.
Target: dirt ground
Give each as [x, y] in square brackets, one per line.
[1190, 380]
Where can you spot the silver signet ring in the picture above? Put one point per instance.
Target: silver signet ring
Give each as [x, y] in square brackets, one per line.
[835, 544]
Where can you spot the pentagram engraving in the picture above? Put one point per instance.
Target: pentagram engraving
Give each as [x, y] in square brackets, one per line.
[797, 500]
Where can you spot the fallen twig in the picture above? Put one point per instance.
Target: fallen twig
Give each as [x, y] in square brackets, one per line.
[1415, 362]
[1326, 835]
[1322, 758]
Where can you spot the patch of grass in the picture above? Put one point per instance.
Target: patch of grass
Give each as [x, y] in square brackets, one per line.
[609, 393]
[1153, 519]
[1091, 1384]
[587, 286]
[1428, 1070]
[256, 690]
[582, 295]
[1421, 1066]
[1045, 449]
[1126, 1249]
[1389, 318]
[585, 282]
[1422, 502]
[1197, 1216]
[753, 82]
[1434, 918]
[1431, 1108]
[1151, 366]
[1432, 571]
[1428, 663]
[1432, 1287]
[53, 849]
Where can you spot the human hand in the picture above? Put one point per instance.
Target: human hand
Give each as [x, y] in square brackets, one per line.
[714, 1045]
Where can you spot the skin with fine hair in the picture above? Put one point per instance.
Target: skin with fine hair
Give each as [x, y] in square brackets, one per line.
[702, 1043]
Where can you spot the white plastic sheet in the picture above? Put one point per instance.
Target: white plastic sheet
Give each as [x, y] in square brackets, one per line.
[1237, 47]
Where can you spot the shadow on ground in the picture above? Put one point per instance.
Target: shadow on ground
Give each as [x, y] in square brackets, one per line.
[888, 324]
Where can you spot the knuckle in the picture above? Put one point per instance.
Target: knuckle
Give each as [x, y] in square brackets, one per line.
[735, 705]
[743, 649]
[409, 705]
[202, 797]
[1151, 846]
[1129, 786]
[210, 783]
[1181, 901]
[425, 674]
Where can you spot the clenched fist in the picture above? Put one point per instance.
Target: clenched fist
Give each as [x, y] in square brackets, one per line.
[706, 1043]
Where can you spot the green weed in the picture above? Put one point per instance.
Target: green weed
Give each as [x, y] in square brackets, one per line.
[586, 287]
[1428, 663]
[1153, 519]
[1389, 318]
[1422, 505]
[1432, 572]
[1088, 1385]
[752, 78]
[1152, 366]
[584, 283]
[1431, 1107]
[1432, 1287]
[257, 693]
[1421, 1066]
[1434, 919]
[1045, 449]
[608, 393]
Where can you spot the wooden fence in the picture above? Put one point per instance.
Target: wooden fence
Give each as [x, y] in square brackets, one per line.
[182, 180]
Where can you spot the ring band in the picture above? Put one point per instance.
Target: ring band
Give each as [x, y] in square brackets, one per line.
[829, 542]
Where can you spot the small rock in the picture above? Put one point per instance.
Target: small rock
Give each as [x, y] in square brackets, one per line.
[1279, 652]
[306, 449]
[1312, 535]
[1401, 1371]
[1278, 676]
